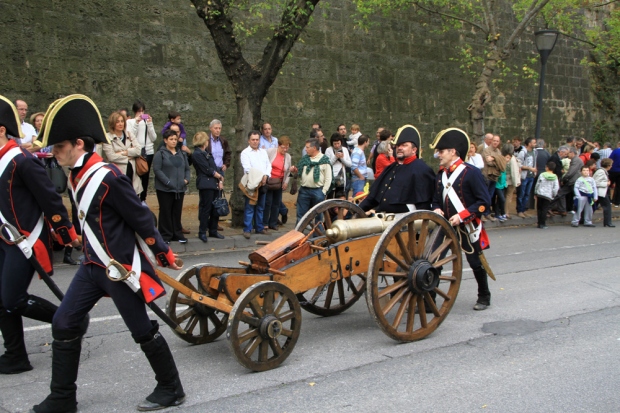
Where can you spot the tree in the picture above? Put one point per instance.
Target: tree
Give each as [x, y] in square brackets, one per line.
[251, 82]
[501, 36]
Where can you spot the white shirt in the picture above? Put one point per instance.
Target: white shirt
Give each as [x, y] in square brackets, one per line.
[476, 160]
[139, 130]
[29, 131]
[257, 159]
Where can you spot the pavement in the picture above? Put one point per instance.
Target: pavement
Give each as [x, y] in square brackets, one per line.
[235, 240]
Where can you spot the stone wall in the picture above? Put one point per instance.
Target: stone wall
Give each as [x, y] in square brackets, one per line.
[161, 52]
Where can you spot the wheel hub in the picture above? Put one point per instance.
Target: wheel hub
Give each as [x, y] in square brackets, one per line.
[422, 276]
[270, 327]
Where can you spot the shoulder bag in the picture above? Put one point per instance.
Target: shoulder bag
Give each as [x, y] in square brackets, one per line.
[220, 205]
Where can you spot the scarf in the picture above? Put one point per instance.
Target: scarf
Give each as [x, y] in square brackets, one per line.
[306, 161]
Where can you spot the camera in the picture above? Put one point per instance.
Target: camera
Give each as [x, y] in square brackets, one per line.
[144, 116]
[338, 150]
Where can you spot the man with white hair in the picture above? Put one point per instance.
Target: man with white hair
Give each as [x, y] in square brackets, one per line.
[219, 147]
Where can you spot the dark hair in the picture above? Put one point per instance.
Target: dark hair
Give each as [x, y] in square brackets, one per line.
[385, 134]
[317, 123]
[314, 143]
[550, 165]
[362, 140]
[253, 132]
[173, 115]
[123, 109]
[169, 132]
[313, 134]
[342, 124]
[527, 141]
[596, 156]
[335, 137]
[138, 106]
[590, 163]
[570, 139]
[89, 143]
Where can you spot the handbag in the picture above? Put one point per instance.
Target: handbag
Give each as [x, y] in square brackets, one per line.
[142, 166]
[293, 190]
[339, 178]
[220, 205]
[57, 176]
[274, 184]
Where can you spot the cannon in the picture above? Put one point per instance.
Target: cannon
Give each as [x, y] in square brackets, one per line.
[409, 267]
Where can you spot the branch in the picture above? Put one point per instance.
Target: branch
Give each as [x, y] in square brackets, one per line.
[295, 18]
[489, 17]
[578, 39]
[605, 4]
[532, 12]
[449, 16]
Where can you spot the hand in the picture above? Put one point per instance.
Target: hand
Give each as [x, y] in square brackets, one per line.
[174, 266]
[224, 168]
[284, 185]
[370, 212]
[293, 170]
[149, 119]
[186, 181]
[264, 180]
[220, 185]
[438, 211]
[490, 159]
[138, 117]
[76, 243]
[455, 220]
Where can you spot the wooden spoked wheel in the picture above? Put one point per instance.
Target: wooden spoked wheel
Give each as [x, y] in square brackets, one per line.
[203, 324]
[414, 275]
[335, 297]
[264, 325]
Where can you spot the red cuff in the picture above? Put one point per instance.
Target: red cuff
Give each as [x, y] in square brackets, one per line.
[165, 259]
[464, 214]
[65, 235]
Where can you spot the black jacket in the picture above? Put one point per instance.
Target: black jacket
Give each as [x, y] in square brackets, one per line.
[205, 168]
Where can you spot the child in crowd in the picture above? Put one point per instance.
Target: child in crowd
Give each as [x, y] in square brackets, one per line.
[175, 117]
[499, 206]
[354, 136]
[586, 195]
[546, 189]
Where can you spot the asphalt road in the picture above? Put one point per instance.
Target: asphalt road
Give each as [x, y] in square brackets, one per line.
[549, 342]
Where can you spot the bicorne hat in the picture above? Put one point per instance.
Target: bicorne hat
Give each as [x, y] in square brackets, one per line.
[407, 133]
[9, 118]
[452, 138]
[71, 117]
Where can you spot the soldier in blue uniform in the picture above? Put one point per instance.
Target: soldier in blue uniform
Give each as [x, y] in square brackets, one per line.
[111, 216]
[31, 205]
[407, 184]
[462, 198]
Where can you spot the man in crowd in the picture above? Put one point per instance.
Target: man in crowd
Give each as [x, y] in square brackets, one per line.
[614, 175]
[461, 197]
[117, 227]
[315, 177]
[358, 165]
[373, 148]
[488, 138]
[563, 199]
[29, 132]
[30, 204]
[542, 156]
[267, 140]
[405, 185]
[494, 165]
[220, 150]
[527, 159]
[256, 170]
[556, 158]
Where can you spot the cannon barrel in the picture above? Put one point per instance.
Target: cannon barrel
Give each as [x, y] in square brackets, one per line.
[342, 230]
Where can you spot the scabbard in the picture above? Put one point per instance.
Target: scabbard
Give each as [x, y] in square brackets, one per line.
[486, 265]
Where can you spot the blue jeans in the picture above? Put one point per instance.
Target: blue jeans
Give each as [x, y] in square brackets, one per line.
[307, 198]
[358, 186]
[491, 185]
[524, 194]
[255, 212]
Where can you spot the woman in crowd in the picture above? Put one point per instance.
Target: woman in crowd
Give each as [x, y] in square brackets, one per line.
[171, 179]
[340, 160]
[123, 149]
[601, 177]
[513, 178]
[208, 182]
[384, 157]
[141, 126]
[36, 119]
[474, 158]
[280, 167]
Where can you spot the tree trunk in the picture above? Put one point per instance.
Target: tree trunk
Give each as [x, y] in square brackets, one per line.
[248, 118]
[482, 96]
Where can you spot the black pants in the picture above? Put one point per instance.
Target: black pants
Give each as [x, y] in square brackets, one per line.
[542, 208]
[273, 200]
[499, 202]
[145, 178]
[15, 275]
[559, 203]
[206, 213]
[605, 204]
[614, 177]
[87, 287]
[170, 209]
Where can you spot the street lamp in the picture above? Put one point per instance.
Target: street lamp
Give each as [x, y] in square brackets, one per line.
[545, 41]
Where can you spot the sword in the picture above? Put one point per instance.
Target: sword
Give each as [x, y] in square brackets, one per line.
[19, 240]
[486, 265]
[116, 272]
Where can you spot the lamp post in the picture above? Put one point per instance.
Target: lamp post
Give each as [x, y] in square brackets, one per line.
[545, 41]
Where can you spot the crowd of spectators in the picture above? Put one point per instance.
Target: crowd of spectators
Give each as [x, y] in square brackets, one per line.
[520, 174]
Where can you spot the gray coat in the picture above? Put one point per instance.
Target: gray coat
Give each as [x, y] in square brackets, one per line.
[170, 170]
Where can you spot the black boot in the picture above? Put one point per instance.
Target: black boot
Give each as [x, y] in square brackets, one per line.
[484, 295]
[15, 358]
[65, 363]
[38, 308]
[67, 258]
[169, 391]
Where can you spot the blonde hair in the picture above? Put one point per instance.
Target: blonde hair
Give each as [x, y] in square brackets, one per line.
[112, 121]
[200, 139]
[284, 140]
[356, 127]
[34, 116]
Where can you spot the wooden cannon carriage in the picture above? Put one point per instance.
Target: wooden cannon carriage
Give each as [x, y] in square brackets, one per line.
[409, 267]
